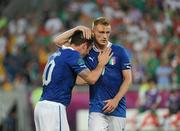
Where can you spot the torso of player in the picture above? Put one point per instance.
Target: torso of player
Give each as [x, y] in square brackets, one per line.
[110, 80]
[60, 74]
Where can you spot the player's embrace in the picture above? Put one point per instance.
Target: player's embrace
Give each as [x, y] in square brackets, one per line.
[107, 95]
[59, 78]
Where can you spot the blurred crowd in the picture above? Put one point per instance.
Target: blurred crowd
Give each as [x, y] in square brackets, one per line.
[149, 29]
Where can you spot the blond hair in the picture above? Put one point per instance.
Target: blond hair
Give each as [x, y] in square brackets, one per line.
[102, 21]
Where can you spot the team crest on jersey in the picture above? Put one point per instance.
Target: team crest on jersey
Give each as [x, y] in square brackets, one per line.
[112, 61]
[80, 61]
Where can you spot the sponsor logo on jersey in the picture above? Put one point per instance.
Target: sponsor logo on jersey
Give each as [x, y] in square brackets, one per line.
[91, 58]
[81, 62]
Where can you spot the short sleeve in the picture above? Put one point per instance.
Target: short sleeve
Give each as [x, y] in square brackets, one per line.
[77, 63]
[124, 60]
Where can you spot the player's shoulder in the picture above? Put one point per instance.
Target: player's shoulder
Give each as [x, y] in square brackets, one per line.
[69, 52]
[118, 47]
[74, 53]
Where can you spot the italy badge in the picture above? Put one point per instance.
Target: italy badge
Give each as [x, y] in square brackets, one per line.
[112, 61]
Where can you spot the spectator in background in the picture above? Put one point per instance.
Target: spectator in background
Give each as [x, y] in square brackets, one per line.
[17, 26]
[144, 87]
[53, 25]
[163, 75]
[3, 43]
[152, 63]
[176, 66]
[173, 103]
[10, 122]
[172, 119]
[152, 99]
[19, 81]
[147, 117]
[3, 74]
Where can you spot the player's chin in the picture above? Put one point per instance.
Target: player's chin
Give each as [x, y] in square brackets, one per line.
[103, 43]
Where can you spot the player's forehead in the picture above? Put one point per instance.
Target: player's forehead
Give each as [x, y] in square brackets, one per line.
[101, 27]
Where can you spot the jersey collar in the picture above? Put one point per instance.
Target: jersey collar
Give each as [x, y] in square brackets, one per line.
[96, 49]
[67, 47]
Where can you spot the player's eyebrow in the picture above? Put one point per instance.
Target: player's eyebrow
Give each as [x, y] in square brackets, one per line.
[104, 31]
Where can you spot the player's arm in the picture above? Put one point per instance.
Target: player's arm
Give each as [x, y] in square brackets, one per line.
[80, 81]
[112, 103]
[64, 38]
[127, 75]
[92, 76]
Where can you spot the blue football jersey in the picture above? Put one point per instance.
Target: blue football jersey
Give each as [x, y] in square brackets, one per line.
[60, 74]
[110, 80]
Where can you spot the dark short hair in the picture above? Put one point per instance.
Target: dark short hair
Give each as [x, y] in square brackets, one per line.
[77, 39]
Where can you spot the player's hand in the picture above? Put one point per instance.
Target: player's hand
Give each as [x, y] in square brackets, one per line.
[105, 56]
[87, 33]
[110, 105]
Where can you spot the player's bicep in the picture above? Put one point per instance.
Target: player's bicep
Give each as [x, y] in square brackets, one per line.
[127, 74]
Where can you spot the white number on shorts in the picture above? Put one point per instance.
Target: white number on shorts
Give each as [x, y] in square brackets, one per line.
[48, 72]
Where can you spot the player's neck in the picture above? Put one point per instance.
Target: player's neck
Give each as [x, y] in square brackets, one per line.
[77, 48]
[100, 47]
[74, 47]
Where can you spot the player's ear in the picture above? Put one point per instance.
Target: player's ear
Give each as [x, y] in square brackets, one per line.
[83, 45]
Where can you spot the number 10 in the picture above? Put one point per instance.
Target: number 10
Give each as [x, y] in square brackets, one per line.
[48, 72]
